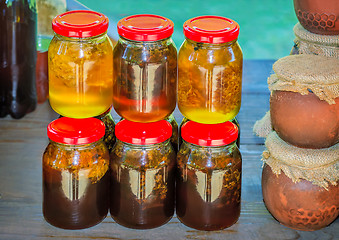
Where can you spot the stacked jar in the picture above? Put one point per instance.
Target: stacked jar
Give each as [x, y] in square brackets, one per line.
[76, 162]
[144, 95]
[209, 97]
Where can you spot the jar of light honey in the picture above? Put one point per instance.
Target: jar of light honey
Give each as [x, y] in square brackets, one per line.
[145, 69]
[80, 59]
[210, 70]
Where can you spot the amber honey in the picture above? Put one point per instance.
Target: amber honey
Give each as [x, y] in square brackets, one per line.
[145, 80]
[209, 81]
[80, 76]
[210, 70]
[145, 69]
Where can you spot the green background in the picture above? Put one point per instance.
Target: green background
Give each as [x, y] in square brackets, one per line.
[266, 26]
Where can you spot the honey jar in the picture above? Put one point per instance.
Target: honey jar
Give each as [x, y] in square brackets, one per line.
[80, 65]
[145, 69]
[75, 173]
[208, 186]
[210, 70]
[142, 174]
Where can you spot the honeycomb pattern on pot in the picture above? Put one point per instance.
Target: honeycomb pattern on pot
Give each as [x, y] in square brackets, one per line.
[307, 218]
[316, 20]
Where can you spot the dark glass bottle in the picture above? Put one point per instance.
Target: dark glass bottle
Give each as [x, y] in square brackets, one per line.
[142, 175]
[209, 176]
[17, 57]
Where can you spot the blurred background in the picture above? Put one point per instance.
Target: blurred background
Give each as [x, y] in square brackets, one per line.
[266, 26]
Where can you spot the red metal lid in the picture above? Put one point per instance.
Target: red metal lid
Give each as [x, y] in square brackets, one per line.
[80, 24]
[75, 131]
[143, 133]
[211, 29]
[213, 135]
[145, 27]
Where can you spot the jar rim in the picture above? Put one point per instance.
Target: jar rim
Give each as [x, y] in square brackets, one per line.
[145, 27]
[209, 135]
[80, 24]
[211, 29]
[143, 133]
[73, 131]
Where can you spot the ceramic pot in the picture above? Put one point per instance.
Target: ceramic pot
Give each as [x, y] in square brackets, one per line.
[318, 16]
[304, 120]
[302, 205]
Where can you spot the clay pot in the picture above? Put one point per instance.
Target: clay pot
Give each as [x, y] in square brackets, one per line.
[318, 16]
[304, 120]
[302, 205]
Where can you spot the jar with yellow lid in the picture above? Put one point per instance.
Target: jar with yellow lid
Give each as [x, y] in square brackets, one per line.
[80, 59]
[210, 70]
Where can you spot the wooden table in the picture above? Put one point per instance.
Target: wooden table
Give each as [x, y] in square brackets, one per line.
[23, 141]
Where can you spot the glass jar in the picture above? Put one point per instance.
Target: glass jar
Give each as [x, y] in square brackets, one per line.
[109, 138]
[210, 70]
[80, 65]
[47, 10]
[145, 69]
[209, 177]
[142, 174]
[17, 57]
[75, 173]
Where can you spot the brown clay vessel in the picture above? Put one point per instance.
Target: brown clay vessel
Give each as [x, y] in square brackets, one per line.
[304, 120]
[302, 205]
[318, 16]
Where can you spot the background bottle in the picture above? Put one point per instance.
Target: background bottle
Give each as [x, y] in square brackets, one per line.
[17, 57]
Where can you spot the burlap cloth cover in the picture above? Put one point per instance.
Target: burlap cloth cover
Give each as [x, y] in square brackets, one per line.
[311, 43]
[263, 127]
[319, 166]
[301, 73]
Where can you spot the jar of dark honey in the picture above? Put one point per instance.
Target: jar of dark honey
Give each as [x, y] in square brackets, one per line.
[210, 70]
[209, 176]
[80, 65]
[142, 174]
[145, 69]
[75, 173]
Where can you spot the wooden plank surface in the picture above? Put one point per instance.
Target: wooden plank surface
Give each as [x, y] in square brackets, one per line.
[23, 141]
